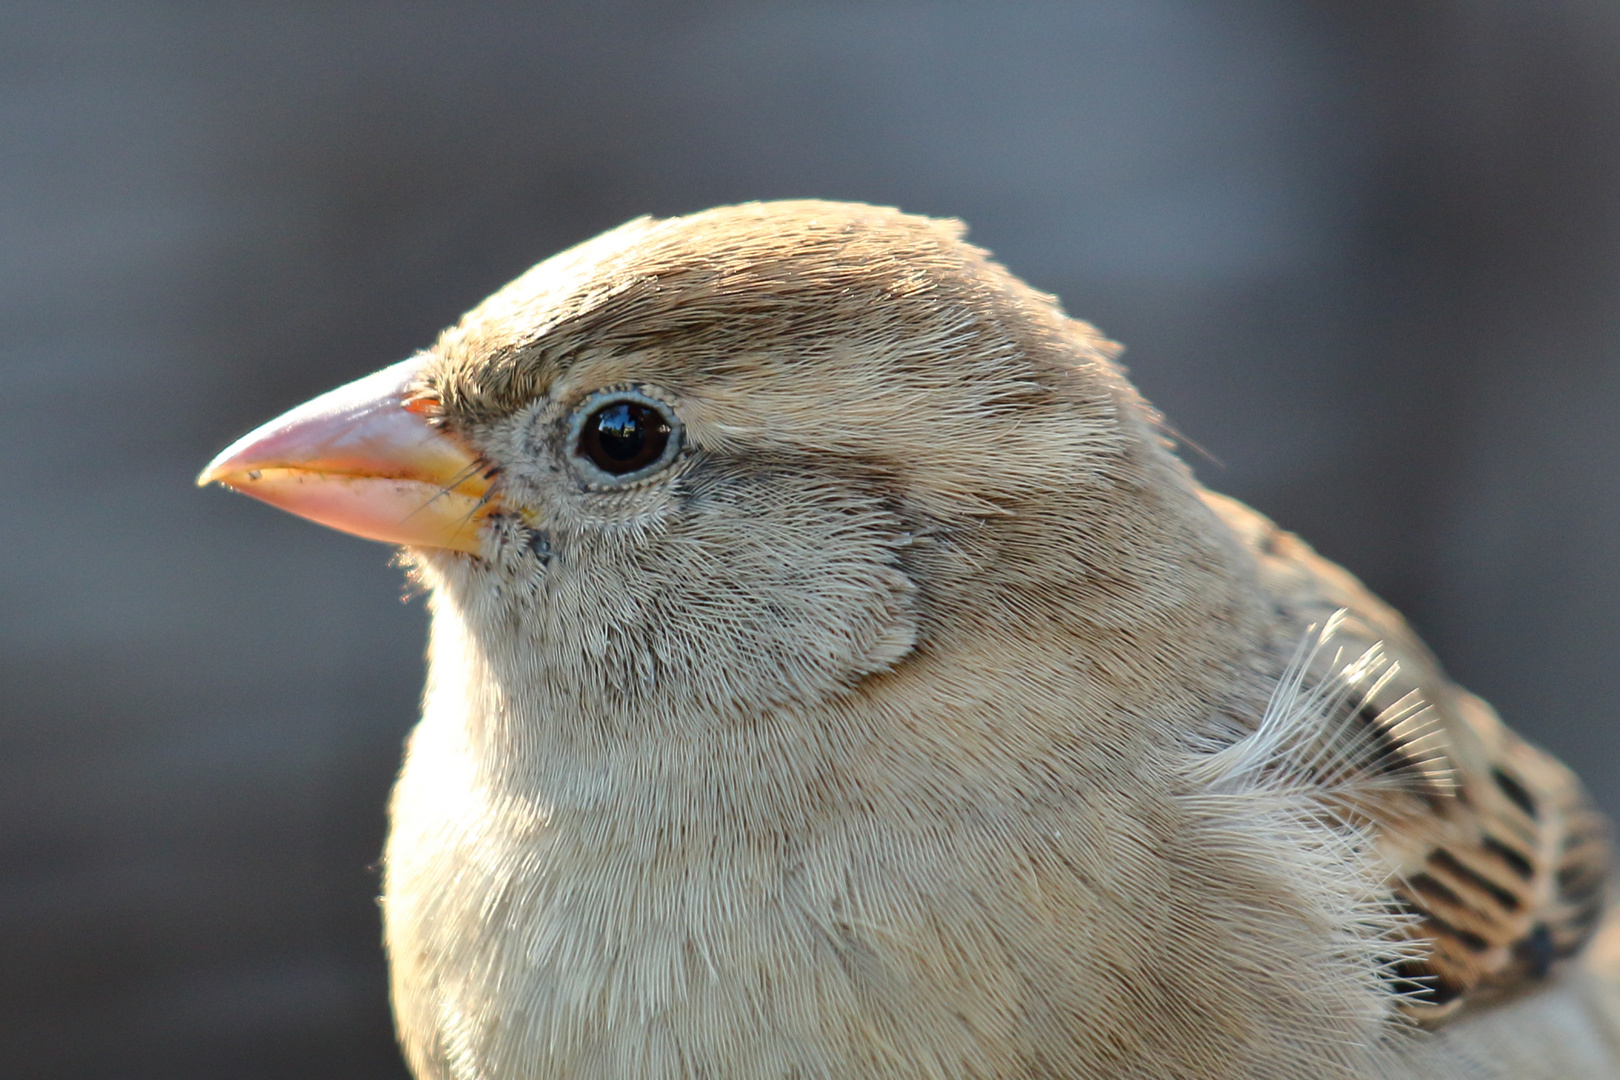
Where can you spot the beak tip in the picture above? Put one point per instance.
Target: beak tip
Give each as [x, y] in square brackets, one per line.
[218, 471]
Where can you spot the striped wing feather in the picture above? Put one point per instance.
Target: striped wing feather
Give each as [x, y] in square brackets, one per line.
[1496, 853]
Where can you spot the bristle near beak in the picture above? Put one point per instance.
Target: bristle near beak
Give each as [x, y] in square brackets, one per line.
[357, 459]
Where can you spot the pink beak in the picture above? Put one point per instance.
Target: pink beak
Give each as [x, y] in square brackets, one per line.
[357, 459]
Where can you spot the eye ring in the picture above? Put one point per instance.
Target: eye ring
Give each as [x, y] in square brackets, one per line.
[621, 436]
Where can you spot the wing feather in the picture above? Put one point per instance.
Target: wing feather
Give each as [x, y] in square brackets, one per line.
[1496, 855]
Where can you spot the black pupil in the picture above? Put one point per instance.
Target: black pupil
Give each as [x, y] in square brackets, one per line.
[624, 436]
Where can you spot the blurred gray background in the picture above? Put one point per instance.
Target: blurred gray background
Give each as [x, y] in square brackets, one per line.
[1367, 254]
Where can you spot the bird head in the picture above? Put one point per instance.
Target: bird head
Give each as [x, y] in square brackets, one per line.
[747, 459]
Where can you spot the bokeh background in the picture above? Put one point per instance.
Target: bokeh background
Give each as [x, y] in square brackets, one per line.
[1366, 254]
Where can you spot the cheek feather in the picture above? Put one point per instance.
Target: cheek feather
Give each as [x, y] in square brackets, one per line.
[746, 586]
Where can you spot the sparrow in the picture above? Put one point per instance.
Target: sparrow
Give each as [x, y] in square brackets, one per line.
[835, 673]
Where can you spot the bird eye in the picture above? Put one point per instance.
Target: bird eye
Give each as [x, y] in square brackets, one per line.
[624, 435]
